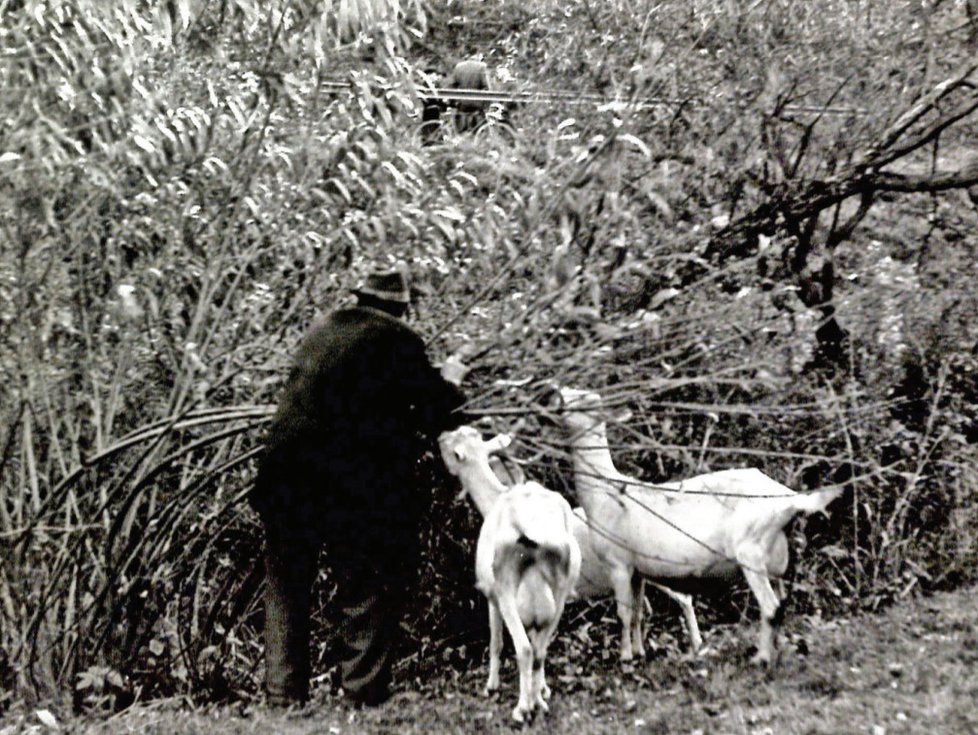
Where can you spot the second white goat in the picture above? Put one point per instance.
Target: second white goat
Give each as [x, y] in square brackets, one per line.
[526, 564]
[698, 532]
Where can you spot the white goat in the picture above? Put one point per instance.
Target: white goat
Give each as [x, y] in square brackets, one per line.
[698, 530]
[526, 560]
[594, 580]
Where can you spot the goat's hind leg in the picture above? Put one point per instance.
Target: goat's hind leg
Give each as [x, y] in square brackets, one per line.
[685, 602]
[692, 626]
[540, 639]
[638, 611]
[754, 571]
[540, 645]
[506, 602]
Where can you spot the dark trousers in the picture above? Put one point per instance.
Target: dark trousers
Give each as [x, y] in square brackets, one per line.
[372, 612]
[290, 570]
[373, 580]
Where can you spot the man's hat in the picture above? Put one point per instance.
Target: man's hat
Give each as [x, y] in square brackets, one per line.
[387, 285]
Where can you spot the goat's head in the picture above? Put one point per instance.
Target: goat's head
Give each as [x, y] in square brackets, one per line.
[465, 445]
[582, 410]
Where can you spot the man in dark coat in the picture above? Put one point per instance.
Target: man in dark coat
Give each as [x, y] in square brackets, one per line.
[361, 404]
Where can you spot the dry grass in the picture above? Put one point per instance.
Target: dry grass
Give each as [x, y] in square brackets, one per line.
[911, 669]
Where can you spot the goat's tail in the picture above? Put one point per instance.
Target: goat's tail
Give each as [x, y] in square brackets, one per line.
[550, 555]
[816, 502]
[545, 578]
[786, 508]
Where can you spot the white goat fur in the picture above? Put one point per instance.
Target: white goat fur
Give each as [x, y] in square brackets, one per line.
[706, 529]
[594, 580]
[526, 562]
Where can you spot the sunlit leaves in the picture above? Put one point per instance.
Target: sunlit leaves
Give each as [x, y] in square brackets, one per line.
[352, 18]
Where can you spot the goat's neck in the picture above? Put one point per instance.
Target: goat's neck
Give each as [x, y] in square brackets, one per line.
[593, 466]
[482, 484]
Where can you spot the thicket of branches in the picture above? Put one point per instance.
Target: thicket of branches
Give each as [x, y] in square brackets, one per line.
[759, 240]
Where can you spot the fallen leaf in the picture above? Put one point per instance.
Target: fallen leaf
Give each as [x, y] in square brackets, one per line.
[47, 719]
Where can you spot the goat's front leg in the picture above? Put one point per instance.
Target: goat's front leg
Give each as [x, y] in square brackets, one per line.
[754, 568]
[621, 582]
[495, 646]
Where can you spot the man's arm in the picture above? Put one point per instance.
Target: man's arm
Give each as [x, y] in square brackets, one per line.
[436, 396]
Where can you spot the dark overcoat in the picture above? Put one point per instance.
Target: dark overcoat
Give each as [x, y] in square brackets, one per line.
[360, 404]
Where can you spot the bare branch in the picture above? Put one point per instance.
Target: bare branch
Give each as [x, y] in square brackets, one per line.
[941, 181]
[918, 111]
[930, 133]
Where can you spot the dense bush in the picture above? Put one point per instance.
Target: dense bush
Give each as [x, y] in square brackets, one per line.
[752, 247]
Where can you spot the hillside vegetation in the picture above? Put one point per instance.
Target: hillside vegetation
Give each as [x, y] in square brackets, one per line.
[751, 222]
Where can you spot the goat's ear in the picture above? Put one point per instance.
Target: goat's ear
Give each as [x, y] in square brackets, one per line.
[498, 442]
[549, 395]
[621, 416]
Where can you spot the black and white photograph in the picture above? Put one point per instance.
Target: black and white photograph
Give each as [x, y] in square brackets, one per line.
[489, 366]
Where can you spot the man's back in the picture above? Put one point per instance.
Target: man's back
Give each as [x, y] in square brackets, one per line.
[359, 396]
[343, 382]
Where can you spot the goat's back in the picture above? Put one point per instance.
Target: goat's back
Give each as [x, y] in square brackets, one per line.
[527, 517]
[541, 515]
[728, 486]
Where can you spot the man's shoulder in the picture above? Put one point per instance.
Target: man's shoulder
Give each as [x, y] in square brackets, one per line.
[363, 314]
[359, 322]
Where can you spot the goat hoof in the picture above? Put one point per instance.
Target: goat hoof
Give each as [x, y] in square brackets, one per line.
[543, 706]
[521, 713]
[545, 691]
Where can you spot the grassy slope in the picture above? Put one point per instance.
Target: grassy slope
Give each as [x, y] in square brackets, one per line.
[911, 669]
